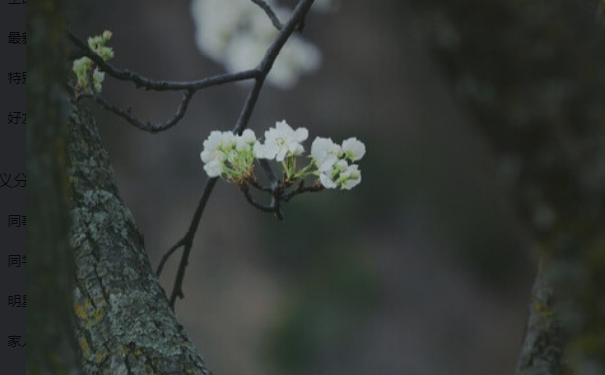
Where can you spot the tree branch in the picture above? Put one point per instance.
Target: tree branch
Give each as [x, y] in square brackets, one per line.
[302, 188]
[187, 241]
[266, 208]
[158, 85]
[270, 13]
[147, 126]
[298, 15]
[190, 88]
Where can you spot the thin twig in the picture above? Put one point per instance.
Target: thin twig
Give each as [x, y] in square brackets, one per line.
[276, 202]
[302, 189]
[245, 189]
[278, 194]
[148, 126]
[270, 13]
[158, 85]
[269, 171]
[188, 241]
[255, 184]
[167, 255]
[302, 8]
[190, 88]
[274, 184]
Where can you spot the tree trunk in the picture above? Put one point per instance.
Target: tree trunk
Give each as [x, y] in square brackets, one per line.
[52, 348]
[96, 306]
[532, 74]
[124, 322]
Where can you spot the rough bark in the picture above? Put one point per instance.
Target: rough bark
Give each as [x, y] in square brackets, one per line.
[118, 315]
[51, 345]
[542, 349]
[532, 75]
[124, 322]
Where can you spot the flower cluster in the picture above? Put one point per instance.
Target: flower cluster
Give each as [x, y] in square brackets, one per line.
[283, 144]
[333, 162]
[236, 34]
[232, 156]
[85, 67]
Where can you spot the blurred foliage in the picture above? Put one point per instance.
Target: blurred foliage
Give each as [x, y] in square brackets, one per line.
[332, 283]
[324, 309]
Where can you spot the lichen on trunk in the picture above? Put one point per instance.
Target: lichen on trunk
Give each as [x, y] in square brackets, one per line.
[124, 322]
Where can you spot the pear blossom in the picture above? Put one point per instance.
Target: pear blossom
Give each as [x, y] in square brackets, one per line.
[243, 52]
[353, 149]
[214, 154]
[237, 34]
[281, 141]
[213, 168]
[340, 174]
[326, 179]
[329, 176]
[83, 66]
[213, 147]
[325, 153]
[350, 178]
[97, 44]
[232, 157]
[97, 79]
[217, 21]
[226, 153]
[332, 162]
[246, 141]
[296, 58]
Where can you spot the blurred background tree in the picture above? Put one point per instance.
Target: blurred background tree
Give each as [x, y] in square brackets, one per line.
[532, 76]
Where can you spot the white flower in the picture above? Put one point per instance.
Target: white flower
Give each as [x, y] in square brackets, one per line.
[326, 180]
[353, 149]
[260, 151]
[350, 178]
[246, 141]
[229, 154]
[329, 176]
[243, 52]
[325, 153]
[331, 160]
[84, 65]
[217, 21]
[97, 44]
[296, 58]
[81, 66]
[217, 150]
[237, 33]
[281, 141]
[97, 79]
[213, 147]
[214, 168]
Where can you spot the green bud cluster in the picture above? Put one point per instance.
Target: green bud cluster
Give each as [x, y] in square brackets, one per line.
[86, 70]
